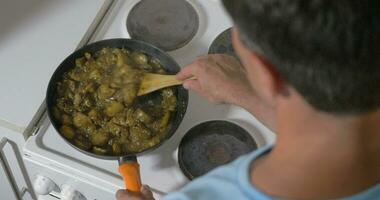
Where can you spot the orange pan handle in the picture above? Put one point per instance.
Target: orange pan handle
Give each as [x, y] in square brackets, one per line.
[129, 169]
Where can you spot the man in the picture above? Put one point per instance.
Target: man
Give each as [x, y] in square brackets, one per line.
[312, 74]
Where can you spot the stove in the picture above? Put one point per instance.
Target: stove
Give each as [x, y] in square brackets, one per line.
[51, 161]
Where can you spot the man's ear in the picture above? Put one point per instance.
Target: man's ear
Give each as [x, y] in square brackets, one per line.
[264, 78]
[268, 78]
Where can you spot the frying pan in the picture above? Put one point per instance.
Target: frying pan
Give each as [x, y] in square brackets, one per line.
[128, 165]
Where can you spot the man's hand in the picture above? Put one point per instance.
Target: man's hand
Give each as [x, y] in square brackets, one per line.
[220, 79]
[146, 194]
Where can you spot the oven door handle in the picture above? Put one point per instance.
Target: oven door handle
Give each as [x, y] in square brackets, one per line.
[8, 172]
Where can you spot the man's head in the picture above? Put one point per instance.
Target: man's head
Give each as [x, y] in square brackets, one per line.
[328, 51]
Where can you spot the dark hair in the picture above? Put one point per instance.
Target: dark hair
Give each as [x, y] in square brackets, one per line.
[328, 50]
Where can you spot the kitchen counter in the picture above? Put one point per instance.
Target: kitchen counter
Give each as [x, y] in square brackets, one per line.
[35, 37]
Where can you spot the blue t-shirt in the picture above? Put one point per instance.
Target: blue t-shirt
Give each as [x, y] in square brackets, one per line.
[232, 182]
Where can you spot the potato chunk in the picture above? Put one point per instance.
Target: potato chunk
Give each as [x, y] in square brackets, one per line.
[113, 108]
[105, 92]
[95, 75]
[122, 59]
[142, 116]
[83, 122]
[169, 101]
[114, 129]
[139, 134]
[67, 131]
[120, 119]
[161, 125]
[116, 148]
[129, 93]
[139, 58]
[81, 119]
[99, 138]
[96, 117]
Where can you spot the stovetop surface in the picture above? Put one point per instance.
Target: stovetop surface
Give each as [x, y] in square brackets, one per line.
[159, 168]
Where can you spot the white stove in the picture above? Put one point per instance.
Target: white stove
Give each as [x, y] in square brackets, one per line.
[61, 172]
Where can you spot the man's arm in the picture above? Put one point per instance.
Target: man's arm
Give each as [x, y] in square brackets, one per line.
[222, 79]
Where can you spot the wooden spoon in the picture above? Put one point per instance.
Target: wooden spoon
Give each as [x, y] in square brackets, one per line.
[152, 82]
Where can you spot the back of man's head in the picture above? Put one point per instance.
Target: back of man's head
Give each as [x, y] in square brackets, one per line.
[328, 50]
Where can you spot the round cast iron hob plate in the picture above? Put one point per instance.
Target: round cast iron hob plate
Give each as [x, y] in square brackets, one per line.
[212, 144]
[167, 24]
[223, 44]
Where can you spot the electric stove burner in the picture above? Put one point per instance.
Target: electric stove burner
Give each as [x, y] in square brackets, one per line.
[168, 24]
[223, 44]
[211, 144]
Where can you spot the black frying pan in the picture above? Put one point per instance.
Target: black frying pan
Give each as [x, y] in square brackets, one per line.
[128, 166]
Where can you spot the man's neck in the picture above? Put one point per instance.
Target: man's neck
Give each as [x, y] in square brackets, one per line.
[319, 156]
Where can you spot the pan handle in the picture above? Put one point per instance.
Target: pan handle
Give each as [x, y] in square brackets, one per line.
[129, 169]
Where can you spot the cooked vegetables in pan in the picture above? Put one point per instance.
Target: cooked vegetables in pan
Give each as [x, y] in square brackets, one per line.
[98, 108]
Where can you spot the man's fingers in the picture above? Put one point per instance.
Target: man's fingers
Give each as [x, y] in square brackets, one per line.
[186, 72]
[125, 195]
[146, 192]
[122, 194]
[192, 85]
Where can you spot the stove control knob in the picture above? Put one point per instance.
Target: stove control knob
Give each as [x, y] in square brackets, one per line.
[43, 185]
[69, 193]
